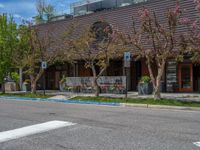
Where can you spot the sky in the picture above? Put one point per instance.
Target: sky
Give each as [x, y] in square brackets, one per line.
[26, 9]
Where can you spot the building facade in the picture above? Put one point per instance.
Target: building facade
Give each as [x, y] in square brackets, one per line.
[178, 77]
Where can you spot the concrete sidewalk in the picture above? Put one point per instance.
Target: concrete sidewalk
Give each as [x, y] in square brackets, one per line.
[176, 96]
[63, 97]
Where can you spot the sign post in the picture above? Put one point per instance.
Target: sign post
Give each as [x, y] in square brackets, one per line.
[127, 59]
[44, 66]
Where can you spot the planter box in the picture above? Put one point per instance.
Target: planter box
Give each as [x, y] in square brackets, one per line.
[10, 86]
[145, 88]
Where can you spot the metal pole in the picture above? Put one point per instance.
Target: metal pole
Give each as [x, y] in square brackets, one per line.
[44, 84]
[20, 78]
[126, 95]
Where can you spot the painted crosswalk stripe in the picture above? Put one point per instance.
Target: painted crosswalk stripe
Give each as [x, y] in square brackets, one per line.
[197, 144]
[33, 129]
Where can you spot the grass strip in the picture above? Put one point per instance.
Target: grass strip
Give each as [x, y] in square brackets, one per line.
[149, 101]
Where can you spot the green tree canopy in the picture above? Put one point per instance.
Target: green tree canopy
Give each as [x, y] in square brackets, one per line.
[8, 42]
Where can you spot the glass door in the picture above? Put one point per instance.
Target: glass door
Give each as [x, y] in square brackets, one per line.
[185, 78]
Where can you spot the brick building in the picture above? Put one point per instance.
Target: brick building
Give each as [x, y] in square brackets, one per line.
[178, 77]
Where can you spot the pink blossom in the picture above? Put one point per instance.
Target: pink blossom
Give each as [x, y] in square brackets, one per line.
[197, 2]
[194, 26]
[144, 13]
[177, 9]
[184, 21]
[196, 36]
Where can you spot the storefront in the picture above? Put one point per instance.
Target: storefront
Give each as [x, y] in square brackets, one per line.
[182, 77]
[178, 77]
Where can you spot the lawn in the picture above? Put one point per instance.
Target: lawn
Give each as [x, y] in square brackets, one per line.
[140, 101]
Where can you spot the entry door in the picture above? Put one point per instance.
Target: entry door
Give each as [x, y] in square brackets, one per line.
[185, 78]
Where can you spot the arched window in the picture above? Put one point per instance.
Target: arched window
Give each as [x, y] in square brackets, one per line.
[101, 30]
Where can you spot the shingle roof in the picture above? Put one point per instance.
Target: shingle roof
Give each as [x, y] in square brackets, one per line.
[119, 18]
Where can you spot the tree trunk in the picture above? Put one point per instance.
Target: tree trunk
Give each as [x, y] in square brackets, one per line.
[33, 87]
[95, 84]
[156, 81]
[156, 93]
[34, 80]
[20, 78]
[95, 76]
[96, 87]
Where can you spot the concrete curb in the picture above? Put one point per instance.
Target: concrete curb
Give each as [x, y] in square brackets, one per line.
[134, 105]
[103, 103]
[160, 107]
[59, 100]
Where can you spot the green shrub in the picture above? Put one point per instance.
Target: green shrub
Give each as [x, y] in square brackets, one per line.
[15, 77]
[145, 79]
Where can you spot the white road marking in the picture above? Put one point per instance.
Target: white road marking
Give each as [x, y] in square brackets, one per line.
[31, 130]
[197, 144]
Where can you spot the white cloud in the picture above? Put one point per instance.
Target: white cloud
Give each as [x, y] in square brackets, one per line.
[2, 6]
[17, 16]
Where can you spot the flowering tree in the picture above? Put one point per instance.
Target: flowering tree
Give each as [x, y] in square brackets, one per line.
[191, 39]
[96, 46]
[156, 41]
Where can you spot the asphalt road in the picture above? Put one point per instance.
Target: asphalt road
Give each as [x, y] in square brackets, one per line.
[100, 127]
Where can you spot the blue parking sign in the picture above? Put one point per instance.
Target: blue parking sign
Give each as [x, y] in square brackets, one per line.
[127, 56]
[44, 65]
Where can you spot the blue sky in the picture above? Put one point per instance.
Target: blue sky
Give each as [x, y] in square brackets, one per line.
[25, 9]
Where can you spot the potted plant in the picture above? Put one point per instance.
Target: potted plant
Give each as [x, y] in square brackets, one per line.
[145, 86]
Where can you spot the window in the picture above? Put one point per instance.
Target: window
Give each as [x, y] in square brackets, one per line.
[121, 3]
[99, 29]
[94, 6]
[99, 5]
[81, 10]
[107, 4]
